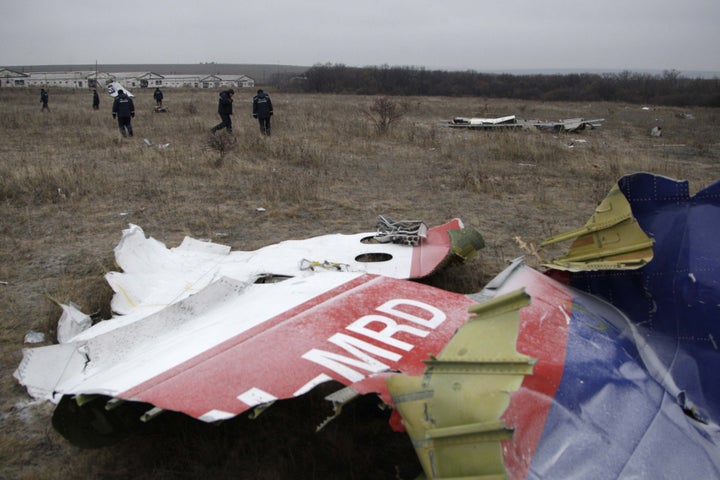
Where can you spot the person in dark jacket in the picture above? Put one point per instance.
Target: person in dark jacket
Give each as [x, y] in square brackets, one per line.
[158, 96]
[96, 100]
[225, 105]
[263, 110]
[44, 100]
[124, 110]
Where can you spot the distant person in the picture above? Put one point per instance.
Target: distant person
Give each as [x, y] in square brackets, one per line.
[124, 110]
[158, 96]
[263, 110]
[96, 100]
[225, 105]
[44, 100]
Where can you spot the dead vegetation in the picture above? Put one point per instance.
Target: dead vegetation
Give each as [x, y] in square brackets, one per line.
[69, 185]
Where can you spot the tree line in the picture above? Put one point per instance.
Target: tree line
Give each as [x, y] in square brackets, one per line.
[669, 88]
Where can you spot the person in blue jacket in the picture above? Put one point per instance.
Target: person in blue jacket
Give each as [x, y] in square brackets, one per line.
[158, 96]
[225, 110]
[44, 100]
[263, 110]
[124, 110]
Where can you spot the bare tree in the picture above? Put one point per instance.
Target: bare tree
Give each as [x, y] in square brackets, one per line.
[384, 112]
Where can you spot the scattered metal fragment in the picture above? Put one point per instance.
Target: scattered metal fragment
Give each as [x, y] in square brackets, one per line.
[407, 232]
[611, 239]
[34, 337]
[513, 122]
[453, 411]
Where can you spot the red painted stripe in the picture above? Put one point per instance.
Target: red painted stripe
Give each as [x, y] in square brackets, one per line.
[543, 335]
[270, 357]
[429, 254]
[238, 339]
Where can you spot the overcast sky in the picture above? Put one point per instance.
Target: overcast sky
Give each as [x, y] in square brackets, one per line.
[484, 35]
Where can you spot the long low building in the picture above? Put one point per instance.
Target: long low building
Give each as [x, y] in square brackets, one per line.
[93, 79]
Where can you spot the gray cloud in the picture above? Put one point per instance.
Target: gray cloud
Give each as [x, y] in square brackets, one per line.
[468, 34]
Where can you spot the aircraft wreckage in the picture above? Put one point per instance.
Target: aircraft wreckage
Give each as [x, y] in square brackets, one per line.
[513, 122]
[604, 366]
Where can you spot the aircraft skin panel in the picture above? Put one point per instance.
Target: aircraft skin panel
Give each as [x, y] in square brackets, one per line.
[638, 396]
[368, 327]
[543, 334]
[625, 383]
[154, 276]
[612, 417]
[184, 306]
[597, 405]
[674, 298]
[114, 87]
[429, 255]
[120, 358]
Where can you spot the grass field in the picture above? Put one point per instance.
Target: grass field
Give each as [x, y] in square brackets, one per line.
[69, 185]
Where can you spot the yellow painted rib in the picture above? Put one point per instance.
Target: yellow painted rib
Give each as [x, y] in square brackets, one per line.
[466, 242]
[452, 412]
[611, 240]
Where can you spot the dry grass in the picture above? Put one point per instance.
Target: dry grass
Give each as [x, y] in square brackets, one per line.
[69, 185]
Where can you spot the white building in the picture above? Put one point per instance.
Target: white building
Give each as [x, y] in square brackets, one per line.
[79, 79]
[218, 81]
[138, 79]
[92, 79]
[11, 78]
[59, 79]
[174, 81]
[235, 81]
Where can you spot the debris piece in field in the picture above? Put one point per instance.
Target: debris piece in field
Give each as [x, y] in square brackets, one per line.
[611, 239]
[34, 337]
[407, 232]
[513, 122]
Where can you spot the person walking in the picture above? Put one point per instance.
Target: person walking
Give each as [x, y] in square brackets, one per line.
[225, 107]
[124, 110]
[44, 98]
[96, 100]
[263, 110]
[158, 96]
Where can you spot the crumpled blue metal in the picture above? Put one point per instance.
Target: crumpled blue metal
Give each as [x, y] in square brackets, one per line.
[640, 392]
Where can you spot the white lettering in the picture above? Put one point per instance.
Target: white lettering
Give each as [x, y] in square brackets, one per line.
[438, 316]
[334, 361]
[322, 378]
[385, 335]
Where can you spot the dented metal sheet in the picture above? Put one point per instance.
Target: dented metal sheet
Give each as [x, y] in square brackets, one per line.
[154, 276]
[513, 122]
[674, 299]
[198, 318]
[598, 404]
[625, 379]
[233, 346]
